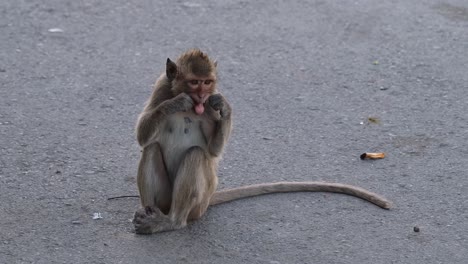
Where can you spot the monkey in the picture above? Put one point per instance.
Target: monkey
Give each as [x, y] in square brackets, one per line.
[182, 132]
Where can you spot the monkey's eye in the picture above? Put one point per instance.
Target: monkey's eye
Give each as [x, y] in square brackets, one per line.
[193, 82]
[207, 82]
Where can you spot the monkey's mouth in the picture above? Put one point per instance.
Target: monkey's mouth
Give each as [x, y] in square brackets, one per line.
[199, 108]
[199, 102]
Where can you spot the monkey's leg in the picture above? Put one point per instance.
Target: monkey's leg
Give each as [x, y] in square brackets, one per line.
[155, 191]
[195, 183]
[153, 182]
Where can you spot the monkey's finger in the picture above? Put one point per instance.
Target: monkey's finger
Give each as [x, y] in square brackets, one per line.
[217, 105]
[185, 99]
[141, 228]
[185, 96]
[149, 210]
[224, 113]
[137, 221]
[140, 213]
[215, 99]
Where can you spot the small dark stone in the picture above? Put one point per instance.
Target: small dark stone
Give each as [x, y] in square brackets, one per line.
[416, 229]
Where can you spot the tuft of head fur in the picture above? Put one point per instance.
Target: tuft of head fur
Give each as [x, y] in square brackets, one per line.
[196, 62]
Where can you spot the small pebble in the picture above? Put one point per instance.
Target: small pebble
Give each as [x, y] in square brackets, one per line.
[416, 229]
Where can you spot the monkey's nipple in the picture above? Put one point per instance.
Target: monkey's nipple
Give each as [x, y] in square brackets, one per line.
[199, 109]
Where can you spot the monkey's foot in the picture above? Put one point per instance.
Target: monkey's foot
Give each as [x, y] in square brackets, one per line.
[150, 220]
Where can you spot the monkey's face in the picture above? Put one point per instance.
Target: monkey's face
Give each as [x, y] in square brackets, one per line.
[200, 88]
[195, 75]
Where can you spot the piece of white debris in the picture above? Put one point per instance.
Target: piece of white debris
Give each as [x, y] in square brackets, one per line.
[97, 216]
[55, 30]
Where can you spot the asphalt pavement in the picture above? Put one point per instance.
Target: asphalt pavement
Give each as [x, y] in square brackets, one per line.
[313, 84]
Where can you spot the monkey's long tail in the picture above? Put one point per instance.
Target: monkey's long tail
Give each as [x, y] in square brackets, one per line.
[228, 195]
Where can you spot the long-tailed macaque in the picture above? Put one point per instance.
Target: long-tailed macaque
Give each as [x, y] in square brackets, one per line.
[182, 131]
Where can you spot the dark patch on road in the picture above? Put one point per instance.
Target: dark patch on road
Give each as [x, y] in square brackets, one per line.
[413, 145]
[452, 12]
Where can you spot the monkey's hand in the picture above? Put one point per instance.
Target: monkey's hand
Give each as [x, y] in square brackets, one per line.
[219, 103]
[181, 103]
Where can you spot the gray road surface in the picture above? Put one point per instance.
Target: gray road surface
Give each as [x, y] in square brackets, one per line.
[303, 78]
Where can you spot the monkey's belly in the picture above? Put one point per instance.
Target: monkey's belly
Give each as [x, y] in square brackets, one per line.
[180, 132]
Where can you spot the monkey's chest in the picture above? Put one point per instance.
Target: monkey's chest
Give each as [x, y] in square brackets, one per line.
[184, 131]
[180, 132]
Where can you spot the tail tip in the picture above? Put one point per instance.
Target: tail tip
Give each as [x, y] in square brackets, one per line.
[387, 205]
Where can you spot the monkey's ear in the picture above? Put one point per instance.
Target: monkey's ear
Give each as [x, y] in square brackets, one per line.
[171, 69]
[215, 63]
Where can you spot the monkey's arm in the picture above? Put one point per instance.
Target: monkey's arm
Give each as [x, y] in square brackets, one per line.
[222, 126]
[152, 116]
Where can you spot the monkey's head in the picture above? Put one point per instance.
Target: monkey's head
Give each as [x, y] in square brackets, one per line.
[194, 73]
